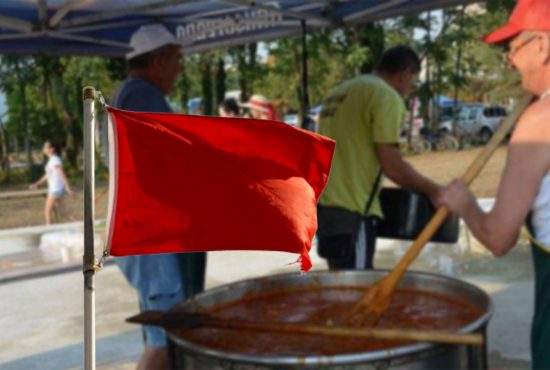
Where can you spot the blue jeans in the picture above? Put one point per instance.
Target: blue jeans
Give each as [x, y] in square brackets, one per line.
[162, 281]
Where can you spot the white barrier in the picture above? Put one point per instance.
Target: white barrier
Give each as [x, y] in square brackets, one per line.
[65, 245]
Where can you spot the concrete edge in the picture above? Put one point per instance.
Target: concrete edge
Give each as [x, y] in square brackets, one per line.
[45, 271]
[40, 229]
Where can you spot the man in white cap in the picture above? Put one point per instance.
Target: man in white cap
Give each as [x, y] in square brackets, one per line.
[154, 66]
[161, 280]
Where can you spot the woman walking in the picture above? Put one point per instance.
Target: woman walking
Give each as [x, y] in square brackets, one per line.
[58, 184]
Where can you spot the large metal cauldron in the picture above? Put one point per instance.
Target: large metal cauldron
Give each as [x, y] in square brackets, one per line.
[188, 356]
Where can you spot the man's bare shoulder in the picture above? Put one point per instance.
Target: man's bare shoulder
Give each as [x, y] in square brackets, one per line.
[534, 124]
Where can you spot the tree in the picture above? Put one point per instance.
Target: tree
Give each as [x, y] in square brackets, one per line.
[372, 37]
[44, 99]
[183, 85]
[189, 84]
[220, 81]
[245, 58]
[16, 75]
[207, 85]
[4, 152]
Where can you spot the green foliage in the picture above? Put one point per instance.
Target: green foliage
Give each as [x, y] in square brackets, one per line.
[44, 98]
[44, 93]
[207, 84]
[220, 81]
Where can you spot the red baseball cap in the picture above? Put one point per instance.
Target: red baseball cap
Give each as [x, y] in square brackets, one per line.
[528, 15]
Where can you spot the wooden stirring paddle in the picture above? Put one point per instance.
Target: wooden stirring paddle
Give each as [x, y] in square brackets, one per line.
[187, 321]
[373, 304]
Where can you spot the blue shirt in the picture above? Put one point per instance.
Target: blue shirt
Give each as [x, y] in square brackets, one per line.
[139, 95]
[155, 274]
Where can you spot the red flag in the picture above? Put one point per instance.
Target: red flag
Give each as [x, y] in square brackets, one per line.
[192, 183]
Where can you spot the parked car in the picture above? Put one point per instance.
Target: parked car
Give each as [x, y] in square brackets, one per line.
[477, 121]
[292, 119]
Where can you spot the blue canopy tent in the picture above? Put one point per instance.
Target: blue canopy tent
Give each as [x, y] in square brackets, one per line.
[104, 28]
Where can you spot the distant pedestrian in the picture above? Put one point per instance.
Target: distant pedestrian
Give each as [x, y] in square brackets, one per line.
[229, 108]
[261, 108]
[58, 185]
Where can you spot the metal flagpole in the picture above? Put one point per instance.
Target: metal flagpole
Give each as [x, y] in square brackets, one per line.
[89, 262]
[305, 77]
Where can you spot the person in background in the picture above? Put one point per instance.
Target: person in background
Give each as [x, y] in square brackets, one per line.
[261, 108]
[229, 108]
[524, 190]
[364, 116]
[58, 185]
[161, 280]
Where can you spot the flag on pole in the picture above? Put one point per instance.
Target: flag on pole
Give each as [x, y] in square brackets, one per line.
[181, 183]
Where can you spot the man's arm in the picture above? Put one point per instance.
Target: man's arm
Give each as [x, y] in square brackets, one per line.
[386, 114]
[527, 163]
[396, 169]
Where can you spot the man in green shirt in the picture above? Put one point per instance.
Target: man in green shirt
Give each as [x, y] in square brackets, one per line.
[364, 116]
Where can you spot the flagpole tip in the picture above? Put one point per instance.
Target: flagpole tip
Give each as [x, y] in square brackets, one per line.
[88, 92]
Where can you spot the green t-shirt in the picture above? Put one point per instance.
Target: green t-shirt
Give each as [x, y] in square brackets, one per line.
[359, 113]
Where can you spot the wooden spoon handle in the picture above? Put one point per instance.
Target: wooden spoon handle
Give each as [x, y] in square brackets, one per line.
[382, 334]
[475, 168]
[506, 126]
[414, 250]
[187, 321]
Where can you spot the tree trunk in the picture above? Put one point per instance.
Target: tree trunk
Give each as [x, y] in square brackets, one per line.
[4, 152]
[206, 81]
[69, 118]
[242, 68]
[77, 124]
[252, 52]
[184, 88]
[373, 37]
[429, 92]
[412, 109]
[24, 114]
[298, 73]
[246, 68]
[458, 69]
[49, 65]
[220, 81]
[437, 92]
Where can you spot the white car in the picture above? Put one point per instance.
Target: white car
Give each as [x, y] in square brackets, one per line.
[292, 120]
[477, 120]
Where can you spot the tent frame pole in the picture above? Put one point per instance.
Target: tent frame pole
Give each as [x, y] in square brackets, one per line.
[89, 261]
[305, 78]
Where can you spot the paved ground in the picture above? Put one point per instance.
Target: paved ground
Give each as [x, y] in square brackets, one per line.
[41, 323]
[41, 319]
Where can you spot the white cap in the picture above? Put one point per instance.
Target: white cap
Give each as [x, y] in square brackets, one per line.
[149, 38]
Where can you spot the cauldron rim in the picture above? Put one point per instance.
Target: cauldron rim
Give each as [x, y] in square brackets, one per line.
[340, 359]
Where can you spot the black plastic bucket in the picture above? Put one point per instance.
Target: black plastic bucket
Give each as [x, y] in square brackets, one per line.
[406, 213]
